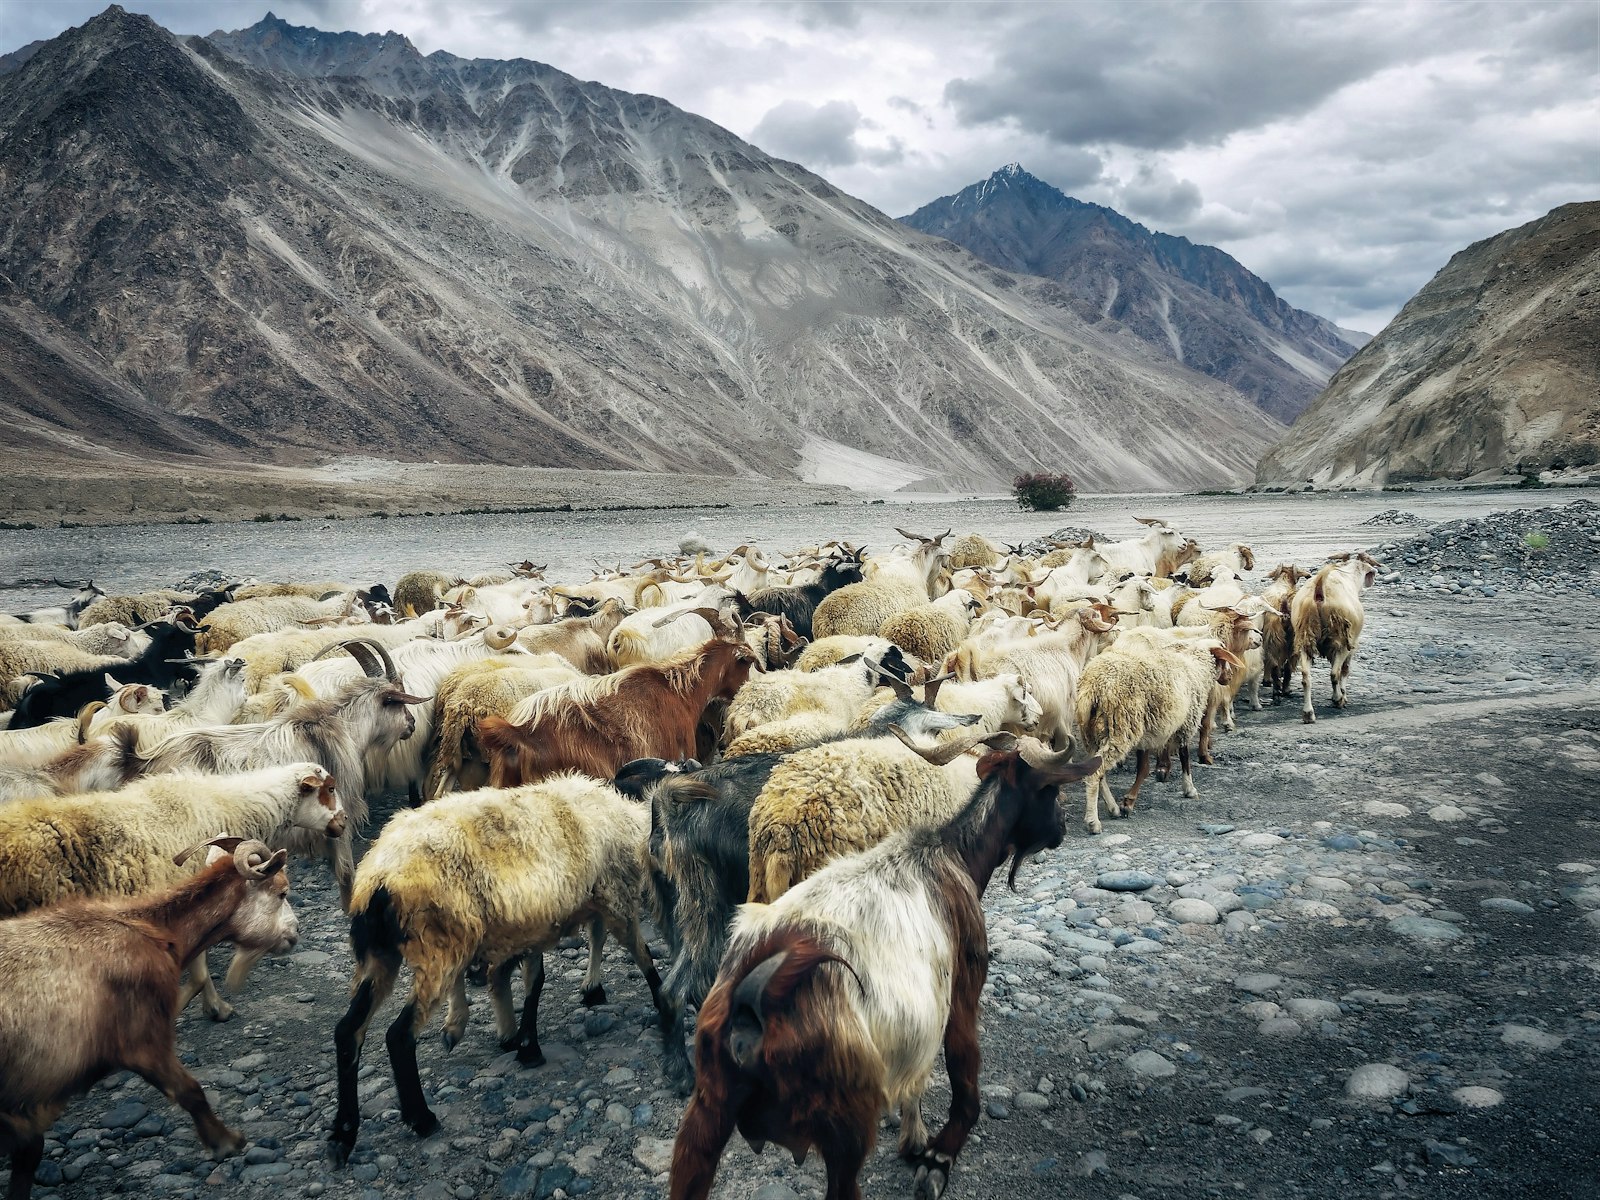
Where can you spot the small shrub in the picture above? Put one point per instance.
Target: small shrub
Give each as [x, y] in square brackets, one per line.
[1043, 493]
[1536, 541]
[262, 518]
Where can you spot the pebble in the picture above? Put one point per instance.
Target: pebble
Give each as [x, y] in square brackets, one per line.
[1477, 1097]
[1090, 1163]
[1308, 1010]
[1424, 929]
[1216, 830]
[653, 1154]
[1015, 950]
[1377, 1081]
[1506, 904]
[124, 1116]
[1149, 1064]
[1447, 813]
[1125, 881]
[1383, 808]
[1529, 1038]
[1283, 1027]
[1194, 912]
[1259, 983]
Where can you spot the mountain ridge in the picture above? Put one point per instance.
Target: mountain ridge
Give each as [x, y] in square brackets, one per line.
[357, 248]
[1493, 367]
[1191, 301]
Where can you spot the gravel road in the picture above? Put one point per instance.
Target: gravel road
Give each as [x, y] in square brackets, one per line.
[1363, 964]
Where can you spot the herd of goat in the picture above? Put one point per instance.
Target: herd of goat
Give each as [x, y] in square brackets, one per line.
[804, 773]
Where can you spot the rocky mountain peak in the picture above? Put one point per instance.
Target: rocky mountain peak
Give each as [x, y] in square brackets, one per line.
[276, 45]
[1193, 303]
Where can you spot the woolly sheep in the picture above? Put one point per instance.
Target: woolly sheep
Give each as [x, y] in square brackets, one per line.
[497, 874]
[931, 631]
[1327, 618]
[489, 688]
[1143, 694]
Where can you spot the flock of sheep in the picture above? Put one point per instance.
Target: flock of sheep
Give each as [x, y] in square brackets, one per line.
[804, 773]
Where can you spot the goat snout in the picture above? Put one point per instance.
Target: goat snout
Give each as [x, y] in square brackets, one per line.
[336, 825]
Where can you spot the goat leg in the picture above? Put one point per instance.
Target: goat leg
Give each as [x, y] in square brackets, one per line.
[675, 1063]
[702, 1137]
[962, 1059]
[594, 991]
[1188, 777]
[1140, 773]
[526, 1041]
[201, 984]
[402, 1042]
[455, 1017]
[184, 1090]
[25, 1160]
[348, 1036]
[1207, 724]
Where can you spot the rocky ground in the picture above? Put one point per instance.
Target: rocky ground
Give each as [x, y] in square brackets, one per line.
[1363, 964]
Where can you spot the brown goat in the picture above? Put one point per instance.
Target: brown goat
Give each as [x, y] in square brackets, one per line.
[594, 726]
[92, 988]
[805, 1057]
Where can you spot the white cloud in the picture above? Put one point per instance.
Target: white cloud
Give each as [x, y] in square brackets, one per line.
[1341, 150]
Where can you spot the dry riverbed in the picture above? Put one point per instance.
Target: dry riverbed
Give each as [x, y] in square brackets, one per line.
[1363, 964]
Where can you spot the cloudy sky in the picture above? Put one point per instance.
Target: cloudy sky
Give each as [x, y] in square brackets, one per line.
[1342, 151]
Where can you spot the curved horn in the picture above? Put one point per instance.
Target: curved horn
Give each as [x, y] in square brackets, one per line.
[950, 751]
[1162, 521]
[255, 860]
[85, 715]
[498, 637]
[374, 659]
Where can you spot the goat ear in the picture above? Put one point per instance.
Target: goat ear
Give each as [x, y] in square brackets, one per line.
[274, 864]
[748, 1021]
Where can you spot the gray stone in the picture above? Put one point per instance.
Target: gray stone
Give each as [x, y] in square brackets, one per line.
[1108, 1037]
[773, 1191]
[1194, 912]
[1091, 1162]
[1424, 929]
[1529, 1038]
[1377, 1081]
[519, 1180]
[1477, 1097]
[1279, 1027]
[653, 1154]
[1032, 1101]
[1015, 950]
[1149, 1064]
[1258, 983]
[1507, 905]
[1126, 881]
[1303, 1009]
[124, 1116]
[260, 1171]
[1260, 841]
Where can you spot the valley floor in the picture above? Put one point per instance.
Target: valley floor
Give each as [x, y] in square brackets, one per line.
[1412, 881]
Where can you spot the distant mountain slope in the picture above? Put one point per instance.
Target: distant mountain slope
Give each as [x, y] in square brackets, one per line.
[1494, 365]
[279, 243]
[1193, 303]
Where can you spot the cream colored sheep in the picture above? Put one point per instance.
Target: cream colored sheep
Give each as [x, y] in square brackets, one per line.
[841, 797]
[497, 874]
[1236, 559]
[931, 631]
[488, 688]
[421, 591]
[1144, 694]
[122, 843]
[1327, 618]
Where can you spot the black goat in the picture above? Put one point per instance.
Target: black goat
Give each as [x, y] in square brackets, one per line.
[700, 857]
[799, 601]
[166, 661]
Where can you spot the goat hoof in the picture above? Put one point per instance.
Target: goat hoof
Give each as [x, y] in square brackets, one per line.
[1207, 761]
[449, 1039]
[1308, 718]
[593, 996]
[530, 1056]
[339, 1149]
[1092, 826]
[222, 1012]
[231, 1143]
[425, 1125]
[933, 1176]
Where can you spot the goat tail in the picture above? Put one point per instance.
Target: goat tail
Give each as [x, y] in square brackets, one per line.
[375, 930]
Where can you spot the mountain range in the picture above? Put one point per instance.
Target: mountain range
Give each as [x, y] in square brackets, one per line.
[277, 244]
[1193, 303]
[1492, 368]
